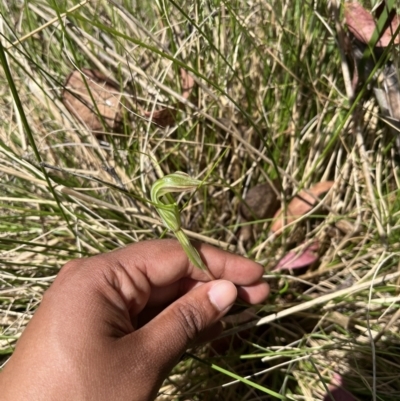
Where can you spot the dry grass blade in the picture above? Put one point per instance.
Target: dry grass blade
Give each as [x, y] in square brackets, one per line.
[312, 303]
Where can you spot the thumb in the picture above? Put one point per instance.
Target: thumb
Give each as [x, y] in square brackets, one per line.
[176, 328]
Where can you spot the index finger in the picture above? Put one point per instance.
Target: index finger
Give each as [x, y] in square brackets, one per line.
[164, 261]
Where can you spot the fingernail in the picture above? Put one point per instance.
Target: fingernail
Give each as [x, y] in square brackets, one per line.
[222, 294]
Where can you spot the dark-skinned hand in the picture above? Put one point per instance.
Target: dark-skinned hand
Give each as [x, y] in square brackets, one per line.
[111, 327]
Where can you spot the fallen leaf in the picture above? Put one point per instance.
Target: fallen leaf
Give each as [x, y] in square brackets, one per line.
[297, 260]
[299, 205]
[163, 117]
[99, 101]
[362, 25]
[167, 116]
[187, 83]
[379, 10]
[391, 24]
[95, 103]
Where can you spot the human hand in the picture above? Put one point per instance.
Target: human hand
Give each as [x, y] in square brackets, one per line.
[112, 326]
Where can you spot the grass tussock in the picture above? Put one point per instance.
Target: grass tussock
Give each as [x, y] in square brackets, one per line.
[270, 103]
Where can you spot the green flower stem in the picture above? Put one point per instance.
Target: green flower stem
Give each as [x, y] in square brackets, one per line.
[192, 253]
[169, 212]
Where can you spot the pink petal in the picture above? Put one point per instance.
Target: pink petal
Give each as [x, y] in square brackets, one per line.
[296, 260]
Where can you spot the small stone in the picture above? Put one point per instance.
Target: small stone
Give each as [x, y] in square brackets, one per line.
[261, 202]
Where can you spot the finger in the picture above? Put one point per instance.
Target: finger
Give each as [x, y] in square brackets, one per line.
[188, 320]
[164, 262]
[254, 294]
[208, 334]
[157, 266]
[165, 265]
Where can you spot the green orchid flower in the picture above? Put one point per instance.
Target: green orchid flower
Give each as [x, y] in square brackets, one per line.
[169, 211]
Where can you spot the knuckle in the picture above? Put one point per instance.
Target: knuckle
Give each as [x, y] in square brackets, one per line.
[68, 270]
[63, 279]
[71, 265]
[72, 271]
[192, 320]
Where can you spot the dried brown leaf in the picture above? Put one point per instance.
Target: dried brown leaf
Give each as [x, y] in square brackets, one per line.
[163, 117]
[300, 205]
[167, 116]
[99, 92]
[77, 97]
[187, 83]
[362, 25]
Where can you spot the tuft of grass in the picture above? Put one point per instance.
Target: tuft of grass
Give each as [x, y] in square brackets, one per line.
[270, 102]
